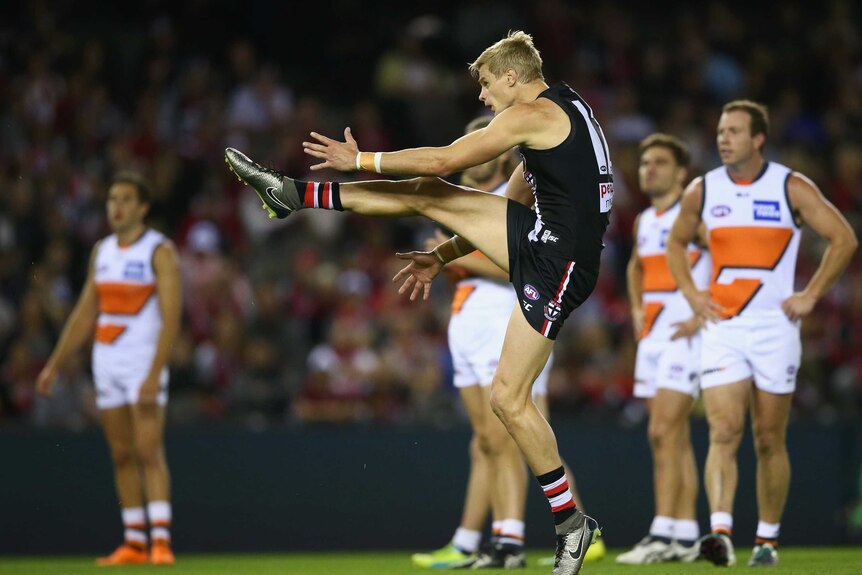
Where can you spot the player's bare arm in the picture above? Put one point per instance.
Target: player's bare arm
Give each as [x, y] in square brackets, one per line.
[510, 128]
[817, 212]
[634, 281]
[78, 329]
[168, 287]
[684, 231]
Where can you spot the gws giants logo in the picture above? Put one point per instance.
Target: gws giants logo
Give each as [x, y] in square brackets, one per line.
[553, 311]
[530, 292]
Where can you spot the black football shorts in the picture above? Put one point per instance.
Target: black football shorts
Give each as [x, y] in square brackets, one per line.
[549, 286]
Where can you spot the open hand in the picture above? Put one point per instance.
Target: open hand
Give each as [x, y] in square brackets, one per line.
[419, 273]
[339, 156]
[686, 329]
[705, 307]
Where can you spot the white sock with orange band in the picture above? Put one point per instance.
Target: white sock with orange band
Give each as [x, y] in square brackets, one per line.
[135, 527]
[159, 513]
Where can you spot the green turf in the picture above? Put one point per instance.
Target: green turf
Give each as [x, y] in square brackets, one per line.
[794, 561]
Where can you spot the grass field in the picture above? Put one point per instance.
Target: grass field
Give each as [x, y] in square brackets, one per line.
[794, 561]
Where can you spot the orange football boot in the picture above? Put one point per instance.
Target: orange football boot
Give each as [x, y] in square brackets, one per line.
[125, 554]
[161, 554]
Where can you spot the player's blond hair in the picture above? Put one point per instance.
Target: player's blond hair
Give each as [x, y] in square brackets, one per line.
[514, 52]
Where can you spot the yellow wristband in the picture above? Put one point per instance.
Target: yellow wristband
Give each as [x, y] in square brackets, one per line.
[366, 161]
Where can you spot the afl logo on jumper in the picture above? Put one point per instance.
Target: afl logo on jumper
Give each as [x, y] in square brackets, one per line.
[553, 311]
[720, 211]
[530, 292]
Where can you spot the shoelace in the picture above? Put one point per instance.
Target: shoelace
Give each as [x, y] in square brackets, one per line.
[561, 546]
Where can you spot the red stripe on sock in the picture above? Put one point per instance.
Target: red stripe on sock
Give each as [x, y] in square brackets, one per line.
[557, 490]
[325, 197]
[309, 195]
[567, 505]
[724, 530]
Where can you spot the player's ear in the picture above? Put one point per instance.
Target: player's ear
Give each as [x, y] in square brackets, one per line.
[511, 77]
[759, 140]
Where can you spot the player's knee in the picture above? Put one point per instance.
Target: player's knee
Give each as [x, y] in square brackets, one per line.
[659, 432]
[725, 432]
[768, 442]
[148, 454]
[505, 402]
[493, 440]
[122, 454]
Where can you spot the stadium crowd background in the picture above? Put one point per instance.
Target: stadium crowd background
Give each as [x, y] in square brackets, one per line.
[296, 321]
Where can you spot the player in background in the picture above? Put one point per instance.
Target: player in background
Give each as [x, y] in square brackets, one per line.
[130, 303]
[754, 211]
[552, 253]
[497, 481]
[668, 354]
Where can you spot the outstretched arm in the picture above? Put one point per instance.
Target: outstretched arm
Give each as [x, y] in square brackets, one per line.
[507, 130]
[827, 222]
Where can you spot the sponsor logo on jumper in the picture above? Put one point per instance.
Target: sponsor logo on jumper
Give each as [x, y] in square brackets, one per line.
[769, 211]
[547, 236]
[606, 196]
[134, 270]
[712, 370]
[720, 211]
[553, 311]
[531, 292]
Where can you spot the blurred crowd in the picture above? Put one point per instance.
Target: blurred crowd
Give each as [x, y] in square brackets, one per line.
[296, 320]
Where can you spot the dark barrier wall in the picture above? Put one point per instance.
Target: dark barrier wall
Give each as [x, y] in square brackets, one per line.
[348, 488]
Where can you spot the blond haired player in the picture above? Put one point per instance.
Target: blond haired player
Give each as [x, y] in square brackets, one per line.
[131, 303]
[477, 326]
[552, 253]
[754, 211]
[668, 355]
